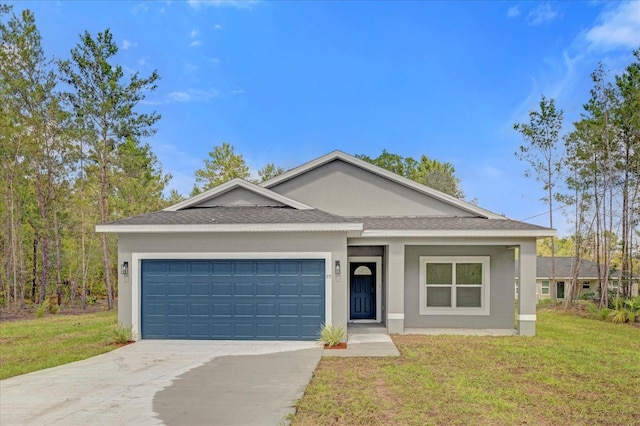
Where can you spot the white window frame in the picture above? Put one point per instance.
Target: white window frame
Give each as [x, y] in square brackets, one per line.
[485, 289]
[547, 287]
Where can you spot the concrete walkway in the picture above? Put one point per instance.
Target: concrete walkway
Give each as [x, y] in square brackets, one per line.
[155, 382]
[370, 345]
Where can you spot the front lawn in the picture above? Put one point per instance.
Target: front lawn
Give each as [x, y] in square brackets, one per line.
[33, 344]
[576, 371]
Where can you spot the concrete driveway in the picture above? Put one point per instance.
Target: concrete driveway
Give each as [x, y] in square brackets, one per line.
[170, 382]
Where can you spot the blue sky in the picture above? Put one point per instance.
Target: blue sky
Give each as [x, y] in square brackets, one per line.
[286, 82]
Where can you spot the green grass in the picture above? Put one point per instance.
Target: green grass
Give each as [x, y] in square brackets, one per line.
[34, 344]
[576, 371]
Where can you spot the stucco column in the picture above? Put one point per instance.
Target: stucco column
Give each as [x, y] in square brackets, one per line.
[527, 296]
[395, 288]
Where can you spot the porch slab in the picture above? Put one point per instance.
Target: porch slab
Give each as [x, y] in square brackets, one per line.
[365, 345]
[462, 331]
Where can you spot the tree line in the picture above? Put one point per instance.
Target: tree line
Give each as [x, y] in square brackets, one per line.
[71, 143]
[594, 168]
[73, 155]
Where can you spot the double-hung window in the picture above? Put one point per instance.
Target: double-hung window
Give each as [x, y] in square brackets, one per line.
[454, 285]
[544, 289]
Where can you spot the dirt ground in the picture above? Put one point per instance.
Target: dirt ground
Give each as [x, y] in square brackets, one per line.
[29, 311]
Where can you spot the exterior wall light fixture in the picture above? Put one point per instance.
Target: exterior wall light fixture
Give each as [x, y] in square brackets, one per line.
[125, 268]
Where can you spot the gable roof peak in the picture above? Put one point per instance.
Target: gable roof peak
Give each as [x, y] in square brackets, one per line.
[372, 168]
[230, 186]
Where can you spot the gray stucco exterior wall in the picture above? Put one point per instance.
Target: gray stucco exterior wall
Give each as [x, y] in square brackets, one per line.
[501, 288]
[342, 189]
[262, 244]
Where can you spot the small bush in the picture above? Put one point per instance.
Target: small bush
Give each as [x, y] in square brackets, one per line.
[91, 300]
[588, 296]
[54, 308]
[122, 334]
[545, 302]
[619, 316]
[592, 309]
[331, 335]
[40, 311]
[605, 312]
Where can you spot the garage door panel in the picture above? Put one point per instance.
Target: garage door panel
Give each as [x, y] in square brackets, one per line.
[232, 299]
[177, 289]
[177, 309]
[199, 289]
[289, 268]
[202, 268]
[244, 289]
[177, 268]
[244, 310]
[266, 268]
[244, 268]
[264, 289]
[222, 309]
[288, 309]
[222, 268]
[311, 268]
[288, 289]
[222, 289]
[312, 289]
[199, 309]
[266, 309]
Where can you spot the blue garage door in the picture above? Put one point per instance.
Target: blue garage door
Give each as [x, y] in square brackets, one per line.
[233, 299]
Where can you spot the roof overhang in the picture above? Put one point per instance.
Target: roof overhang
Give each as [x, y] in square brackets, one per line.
[492, 233]
[231, 185]
[245, 227]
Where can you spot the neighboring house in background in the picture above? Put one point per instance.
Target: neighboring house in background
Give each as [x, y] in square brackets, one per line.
[588, 281]
[336, 240]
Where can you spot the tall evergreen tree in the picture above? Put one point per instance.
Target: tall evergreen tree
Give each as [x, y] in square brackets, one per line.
[104, 104]
[222, 166]
[544, 155]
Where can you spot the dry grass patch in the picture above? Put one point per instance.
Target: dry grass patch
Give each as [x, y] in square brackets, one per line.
[576, 371]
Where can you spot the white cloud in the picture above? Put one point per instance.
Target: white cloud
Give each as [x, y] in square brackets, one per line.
[238, 92]
[238, 4]
[193, 33]
[513, 12]
[542, 14]
[492, 172]
[195, 43]
[141, 7]
[179, 97]
[217, 27]
[619, 27]
[192, 95]
[126, 44]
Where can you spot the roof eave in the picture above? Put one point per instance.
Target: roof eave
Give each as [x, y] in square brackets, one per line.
[533, 233]
[237, 183]
[245, 227]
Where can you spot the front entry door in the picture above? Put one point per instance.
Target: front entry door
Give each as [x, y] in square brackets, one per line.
[363, 291]
[560, 293]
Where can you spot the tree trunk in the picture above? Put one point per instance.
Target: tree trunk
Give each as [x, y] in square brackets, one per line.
[103, 237]
[34, 270]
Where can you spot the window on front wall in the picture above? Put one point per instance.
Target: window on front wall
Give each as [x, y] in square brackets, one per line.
[586, 284]
[454, 285]
[545, 288]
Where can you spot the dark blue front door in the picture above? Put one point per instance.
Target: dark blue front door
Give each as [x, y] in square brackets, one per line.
[363, 291]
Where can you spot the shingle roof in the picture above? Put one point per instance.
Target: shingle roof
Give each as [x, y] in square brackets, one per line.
[443, 223]
[564, 268]
[233, 215]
